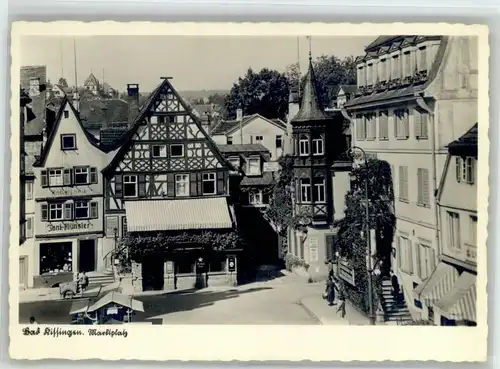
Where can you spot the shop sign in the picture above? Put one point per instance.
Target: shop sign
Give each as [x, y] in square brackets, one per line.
[72, 191]
[231, 264]
[313, 249]
[69, 226]
[200, 264]
[170, 267]
[111, 225]
[271, 166]
[346, 272]
[112, 310]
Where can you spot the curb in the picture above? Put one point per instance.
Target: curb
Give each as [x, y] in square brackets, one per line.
[309, 312]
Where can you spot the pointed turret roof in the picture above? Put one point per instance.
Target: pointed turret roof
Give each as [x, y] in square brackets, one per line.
[311, 108]
[91, 79]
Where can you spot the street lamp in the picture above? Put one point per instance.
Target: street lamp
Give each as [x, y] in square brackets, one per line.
[115, 260]
[368, 241]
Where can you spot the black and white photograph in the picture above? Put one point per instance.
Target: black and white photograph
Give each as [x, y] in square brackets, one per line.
[280, 180]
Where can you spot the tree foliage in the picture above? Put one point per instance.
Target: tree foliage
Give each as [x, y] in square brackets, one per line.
[62, 82]
[265, 93]
[350, 240]
[217, 99]
[331, 72]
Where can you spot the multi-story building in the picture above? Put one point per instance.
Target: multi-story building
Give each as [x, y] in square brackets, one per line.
[252, 129]
[321, 179]
[68, 203]
[449, 294]
[169, 179]
[415, 95]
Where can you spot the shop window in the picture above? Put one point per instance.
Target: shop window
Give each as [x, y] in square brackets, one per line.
[184, 266]
[55, 257]
[209, 183]
[217, 263]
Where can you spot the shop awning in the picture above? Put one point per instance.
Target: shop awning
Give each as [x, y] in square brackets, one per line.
[116, 298]
[438, 285]
[166, 215]
[460, 302]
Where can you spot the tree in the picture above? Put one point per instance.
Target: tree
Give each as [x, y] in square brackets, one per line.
[265, 93]
[217, 99]
[350, 240]
[62, 82]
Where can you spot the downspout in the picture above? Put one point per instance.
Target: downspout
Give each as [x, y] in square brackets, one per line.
[424, 106]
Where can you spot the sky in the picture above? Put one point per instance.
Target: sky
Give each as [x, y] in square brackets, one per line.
[194, 62]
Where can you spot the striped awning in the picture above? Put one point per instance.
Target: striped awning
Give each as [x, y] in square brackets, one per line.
[183, 214]
[438, 285]
[460, 302]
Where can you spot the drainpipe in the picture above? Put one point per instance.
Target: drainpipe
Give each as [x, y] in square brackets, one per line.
[423, 105]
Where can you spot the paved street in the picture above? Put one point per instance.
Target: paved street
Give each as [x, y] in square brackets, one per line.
[273, 302]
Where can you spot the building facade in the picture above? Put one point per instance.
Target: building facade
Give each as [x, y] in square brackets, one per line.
[92, 84]
[321, 179]
[169, 180]
[252, 129]
[68, 203]
[449, 294]
[415, 95]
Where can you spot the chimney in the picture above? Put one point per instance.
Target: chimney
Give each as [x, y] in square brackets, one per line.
[34, 86]
[239, 114]
[133, 101]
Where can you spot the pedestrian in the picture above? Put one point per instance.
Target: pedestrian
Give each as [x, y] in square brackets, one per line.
[33, 320]
[330, 291]
[395, 286]
[341, 307]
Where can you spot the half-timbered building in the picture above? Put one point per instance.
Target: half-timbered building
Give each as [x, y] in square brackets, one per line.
[167, 191]
[321, 178]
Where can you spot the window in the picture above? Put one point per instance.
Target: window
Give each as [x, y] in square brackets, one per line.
[159, 151]
[130, 186]
[93, 175]
[402, 121]
[66, 114]
[473, 230]
[407, 64]
[255, 198]
[279, 142]
[426, 260]
[383, 125]
[422, 59]
[29, 227]
[181, 185]
[55, 212]
[81, 209]
[403, 184]
[209, 183]
[423, 187]
[317, 146]
[81, 175]
[371, 128]
[176, 151]
[67, 177]
[382, 66]
[406, 256]
[305, 190]
[68, 142]
[361, 76]
[369, 75]
[453, 220]
[360, 127]
[465, 170]
[303, 145]
[55, 177]
[229, 140]
[29, 190]
[319, 190]
[396, 68]
[259, 139]
[253, 166]
[420, 124]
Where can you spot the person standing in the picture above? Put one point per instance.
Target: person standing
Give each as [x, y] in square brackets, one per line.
[395, 286]
[341, 307]
[330, 291]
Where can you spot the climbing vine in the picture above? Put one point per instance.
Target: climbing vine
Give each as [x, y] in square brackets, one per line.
[351, 238]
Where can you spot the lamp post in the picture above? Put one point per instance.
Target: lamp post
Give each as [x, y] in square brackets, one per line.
[115, 232]
[368, 241]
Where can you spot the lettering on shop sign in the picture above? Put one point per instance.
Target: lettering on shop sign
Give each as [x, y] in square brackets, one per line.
[70, 226]
[71, 191]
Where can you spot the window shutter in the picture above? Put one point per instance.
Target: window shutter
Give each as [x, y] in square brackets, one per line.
[425, 187]
[170, 184]
[417, 123]
[193, 184]
[395, 120]
[68, 211]
[118, 186]
[29, 227]
[141, 182]
[199, 183]
[401, 183]
[410, 256]
[45, 212]
[458, 168]
[470, 170]
[220, 183]
[45, 178]
[420, 274]
[406, 121]
[94, 214]
[398, 251]
[67, 177]
[431, 260]
[423, 123]
[93, 175]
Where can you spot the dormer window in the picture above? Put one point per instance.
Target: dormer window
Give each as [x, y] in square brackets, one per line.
[407, 64]
[317, 145]
[253, 166]
[383, 70]
[396, 67]
[361, 76]
[68, 142]
[303, 145]
[422, 59]
[66, 114]
[369, 75]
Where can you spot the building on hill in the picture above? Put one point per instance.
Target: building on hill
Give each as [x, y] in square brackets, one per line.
[252, 129]
[415, 95]
[92, 84]
[321, 179]
[167, 186]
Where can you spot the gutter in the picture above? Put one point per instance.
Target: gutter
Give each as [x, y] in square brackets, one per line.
[423, 105]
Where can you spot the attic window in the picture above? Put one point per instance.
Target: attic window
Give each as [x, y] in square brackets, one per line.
[66, 114]
[68, 142]
[176, 151]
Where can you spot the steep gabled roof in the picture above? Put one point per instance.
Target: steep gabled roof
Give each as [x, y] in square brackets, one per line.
[93, 116]
[91, 79]
[243, 148]
[466, 144]
[311, 108]
[145, 112]
[53, 133]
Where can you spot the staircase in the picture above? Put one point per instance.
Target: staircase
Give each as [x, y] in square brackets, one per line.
[394, 312]
[101, 278]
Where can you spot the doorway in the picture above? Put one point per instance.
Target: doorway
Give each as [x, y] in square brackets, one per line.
[87, 255]
[153, 274]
